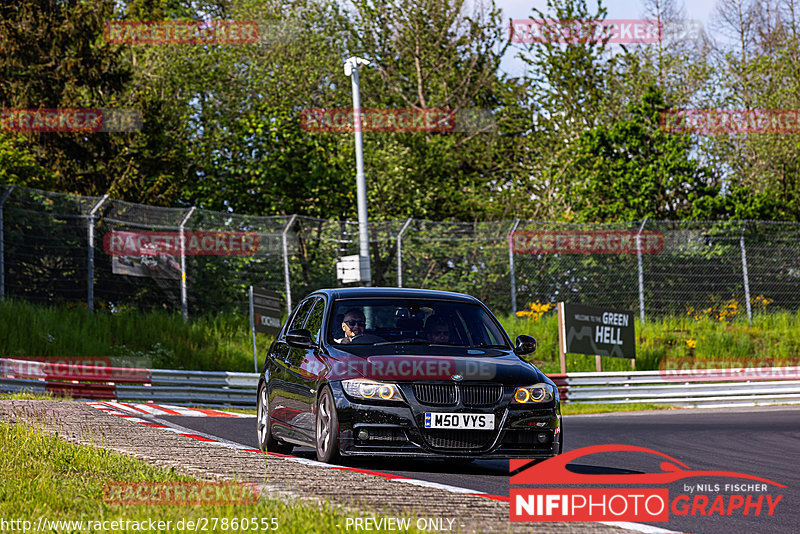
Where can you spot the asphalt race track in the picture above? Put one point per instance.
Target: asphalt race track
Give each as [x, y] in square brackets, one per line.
[764, 442]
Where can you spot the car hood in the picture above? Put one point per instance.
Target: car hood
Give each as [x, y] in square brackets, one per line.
[454, 363]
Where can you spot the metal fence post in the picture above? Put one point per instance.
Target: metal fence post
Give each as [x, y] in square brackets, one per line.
[400, 253]
[746, 278]
[641, 271]
[253, 329]
[90, 274]
[184, 295]
[2, 245]
[286, 278]
[511, 267]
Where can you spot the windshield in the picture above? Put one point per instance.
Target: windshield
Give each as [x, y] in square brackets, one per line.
[413, 321]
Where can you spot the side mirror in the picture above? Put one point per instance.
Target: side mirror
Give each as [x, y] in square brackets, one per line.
[525, 345]
[300, 338]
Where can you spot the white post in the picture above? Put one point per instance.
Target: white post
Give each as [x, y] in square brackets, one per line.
[641, 272]
[400, 253]
[184, 296]
[746, 278]
[253, 330]
[512, 271]
[286, 279]
[2, 244]
[351, 69]
[90, 269]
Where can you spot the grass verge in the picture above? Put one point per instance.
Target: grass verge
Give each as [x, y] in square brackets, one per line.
[773, 339]
[223, 342]
[43, 477]
[157, 339]
[581, 408]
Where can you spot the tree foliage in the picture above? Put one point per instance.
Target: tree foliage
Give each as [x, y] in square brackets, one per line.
[575, 137]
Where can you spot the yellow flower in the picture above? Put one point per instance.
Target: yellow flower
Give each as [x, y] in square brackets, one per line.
[691, 343]
[535, 310]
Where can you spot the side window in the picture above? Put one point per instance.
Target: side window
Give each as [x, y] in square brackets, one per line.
[300, 316]
[314, 321]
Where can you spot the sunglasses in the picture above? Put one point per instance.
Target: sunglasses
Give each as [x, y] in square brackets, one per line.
[351, 324]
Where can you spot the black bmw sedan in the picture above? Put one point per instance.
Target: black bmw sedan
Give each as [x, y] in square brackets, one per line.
[404, 372]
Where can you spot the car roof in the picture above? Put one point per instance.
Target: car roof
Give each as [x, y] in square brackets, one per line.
[395, 292]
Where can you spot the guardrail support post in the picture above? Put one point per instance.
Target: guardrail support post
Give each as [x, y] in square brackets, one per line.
[90, 269]
[184, 295]
[512, 271]
[746, 278]
[286, 278]
[641, 271]
[2, 245]
[400, 253]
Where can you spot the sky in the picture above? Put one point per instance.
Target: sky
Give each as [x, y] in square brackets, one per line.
[617, 9]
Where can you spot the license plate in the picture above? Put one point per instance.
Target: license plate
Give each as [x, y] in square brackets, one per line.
[463, 421]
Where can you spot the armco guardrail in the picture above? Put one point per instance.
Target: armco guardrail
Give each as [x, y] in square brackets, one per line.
[187, 388]
[694, 387]
[685, 387]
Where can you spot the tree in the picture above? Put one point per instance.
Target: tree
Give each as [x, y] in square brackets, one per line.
[632, 169]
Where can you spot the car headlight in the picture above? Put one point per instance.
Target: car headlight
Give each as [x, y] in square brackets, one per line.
[534, 394]
[360, 388]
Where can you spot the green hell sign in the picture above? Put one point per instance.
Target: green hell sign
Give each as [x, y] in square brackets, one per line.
[598, 331]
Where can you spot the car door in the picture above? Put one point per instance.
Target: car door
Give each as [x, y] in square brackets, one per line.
[305, 370]
[282, 406]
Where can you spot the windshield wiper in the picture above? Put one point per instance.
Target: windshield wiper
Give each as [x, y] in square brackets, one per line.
[487, 346]
[414, 342]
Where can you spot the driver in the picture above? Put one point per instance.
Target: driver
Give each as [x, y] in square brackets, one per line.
[353, 324]
[437, 329]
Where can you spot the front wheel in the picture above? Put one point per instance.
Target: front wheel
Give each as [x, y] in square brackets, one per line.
[265, 440]
[327, 433]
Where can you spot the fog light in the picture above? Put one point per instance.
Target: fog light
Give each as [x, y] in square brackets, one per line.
[363, 435]
[543, 438]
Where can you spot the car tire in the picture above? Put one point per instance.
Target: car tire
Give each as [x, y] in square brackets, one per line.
[327, 428]
[266, 442]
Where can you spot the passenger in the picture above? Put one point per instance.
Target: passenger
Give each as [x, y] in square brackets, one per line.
[353, 324]
[437, 329]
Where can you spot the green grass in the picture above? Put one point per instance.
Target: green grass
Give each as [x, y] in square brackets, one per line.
[44, 477]
[25, 395]
[223, 342]
[581, 408]
[158, 339]
[774, 339]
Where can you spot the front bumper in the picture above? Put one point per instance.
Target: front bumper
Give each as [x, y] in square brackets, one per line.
[397, 429]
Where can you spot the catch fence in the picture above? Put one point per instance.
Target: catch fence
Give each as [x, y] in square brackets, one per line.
[60, 248]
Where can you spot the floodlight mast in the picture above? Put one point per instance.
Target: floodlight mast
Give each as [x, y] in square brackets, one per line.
[351, 69]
